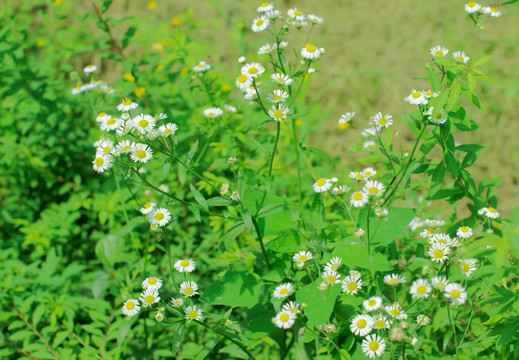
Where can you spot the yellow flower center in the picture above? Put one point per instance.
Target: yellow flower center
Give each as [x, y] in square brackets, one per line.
[438, 253]
[150, 299]
[211, 114]
[101, 114]
[184, 263]
[141, 154]
[278, 114]
[259, 22]
[127, 148]
[361, 324]
[373, 346]
[429, 93]
[352, 285]
[130, 305]
[168, 131]
[372, 302]
[471, 4]
[189, 291]
[192, 314]
[284, 317]
[373, 190]
[152, 281]
[303, 257]
[310, 48]
[253, 70]
[331, 279]
[438, 116]
[321, 182]
[265, 4]
[99, 161]
[416, 95]
[343, 126]
[283, 291]
[111, 121]
[455, 294]
[465, 267]
[159, 216]
[277, 98]
[393, 281]
[421, 290]
[242, 78]
[380, 324]
[395, 311]
[357, 196]
[438, 53]
[494, 9]
[491, 209]
[382, 121]
[147, 205]
[127, 102]
[143, 123]
[297, 13]
[464, 229]
[106, 149]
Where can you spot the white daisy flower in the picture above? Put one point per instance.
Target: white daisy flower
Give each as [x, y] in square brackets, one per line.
[310, 51]
[250, 94]
[456, 293]
[357, 175]
[291, 306]
[285, 319]
[460, 56]
[253, 70]
[78, 89]
[315, 19]
[230, 108]
[111, 123]
[394, 279]
[277, 96]
[333, 264]
[368, 173]
[177, 302]
[439, 252]
[192, 313]
[301, 257]
[144, 123]
[283, 290]
[241, 59]
[464, 232]
[440, 238]
[149, 298]
[213, 112]
[185, 265]
[431, 94]
[102, 162]
[434, 223]
[361, 325]
[273, 14]
[423, 320]
[340, 190]
[355, 274]
[131, 307]
[243, 82]
[259, 24]
[439, 51]
[127, 105]
[296, 14]
[345, 120]
[381, 322]
[492, 11]
[373, 188]
[105, 146]
[382, 121]
[490, 212]
[373, 346]
[168, 129]
[151, 284]
[202, 66]
[439, 283]
[468, 266]
[279, 112]
[160, 116]
[265, 7]
[322, 185]
[439, 119]
[359, 198]
[160, 216]
[331, 277]
[372, 304]
[102, 117]
[472, 7]
[141, 153]
[265, 49]
[351, 285]
[396, 311]
[189, 288]
[281, 79]
[159, 316]
[89, 69]
[420, 289]
[124, 146]
[416, 98]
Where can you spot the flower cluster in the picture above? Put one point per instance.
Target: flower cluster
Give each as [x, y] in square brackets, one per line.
[473, 7]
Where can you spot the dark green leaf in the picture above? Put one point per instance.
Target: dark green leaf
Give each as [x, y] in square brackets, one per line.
[128, 35]
[199, 197]
[177, 338]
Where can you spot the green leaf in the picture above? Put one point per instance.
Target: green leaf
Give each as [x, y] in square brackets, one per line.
[434, 80]
[128, 35]
[438, 174]
[232, 234]
[258, 146]
[272, 224]
[509, 2]
[37, 314]
[317, 211]
[237, 288]
[356, 254]
[218, 201]
[483, 60]
[454, 96]
[208, 347]
[320, 304]
[439, 102]
[177, 338]
[289, 242]
[472, 151]
[106, 5]
[109, 249]
[199, 197]
[452, 164]
[472, 83]
[191, 152]
[195, 209]
[271, 209]
[247, 219]
[388, 228]
[319, 153]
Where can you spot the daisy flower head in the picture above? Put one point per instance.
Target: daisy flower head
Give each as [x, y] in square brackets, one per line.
[439, 119]
[468, 266]
[472, 7]
[340, 189]
[243, 82]
[434, 223]
[396, 311]
[77, 90]
[241, 59]
[168, 129]
[89, 69]
[277, 96]
[490, 212]
[230, 108]
[394, 279]
[131, 307]
[295, 14]
[322, 185]
[439, 252]
[105, 146]
[265, 49]
[310, 51]
[368, 173]
[160, 216]
[292, 306]
[345, 120]
[420, 289]
[213, 112]
[357, 175]
[351, 284]
[382, 121]
[439, 283]
[331, 277]
[192, 313]
[301, 257]
[102, 162]
[455, 293]
[185, 265]
[416, 98]
[464, 232]
[361, 325]
[423, 320]
[439, 51]
[492, 11]
[127, 105]
[102, 116]
[315, 19]
[141, 153]
[149, 298]
[381, 212]
[283, 290]
[151, 284]
[253, 70]
[372, 304]
[273, 14]
[440, 238]
[260, 23]
[373, 346]
[359, 198]
[177, 302]
[355, 274]
[124, 147]
[189, 288]
[159, 316]
[373, 188]
[285, 319]
[143, 123]
[460, 57]
[381, 322]
[110, 123]
[279, 112]
[281, 79]
[333, 264]
[264, 7]
[201, 66]
[431, 94]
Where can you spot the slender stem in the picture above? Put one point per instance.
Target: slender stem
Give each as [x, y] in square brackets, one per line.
[251, 355]
[271, 165]
[403, 351]
[260, 239]
[470, 35]
[453, 329]
[287, 349]
[298, 165]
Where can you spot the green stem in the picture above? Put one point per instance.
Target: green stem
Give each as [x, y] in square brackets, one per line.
[270, 165]
[298, 165]
[251, 355]
[260, 239]
[287, 349]
[453, 329]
